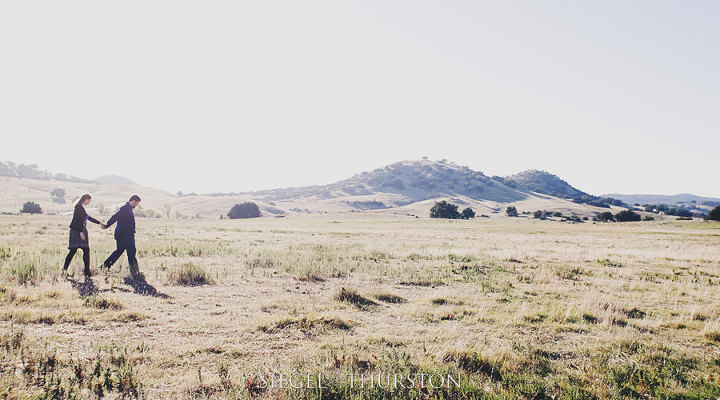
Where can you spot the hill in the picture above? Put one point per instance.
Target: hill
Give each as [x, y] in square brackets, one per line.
[542, 182]
[411, 187]
[399, 184]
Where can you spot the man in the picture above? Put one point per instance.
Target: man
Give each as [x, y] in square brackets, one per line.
[124, 235]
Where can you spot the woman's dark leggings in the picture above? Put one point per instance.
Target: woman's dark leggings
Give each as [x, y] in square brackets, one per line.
[86, 258]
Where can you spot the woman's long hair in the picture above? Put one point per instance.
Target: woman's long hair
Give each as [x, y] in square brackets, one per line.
[82, 199]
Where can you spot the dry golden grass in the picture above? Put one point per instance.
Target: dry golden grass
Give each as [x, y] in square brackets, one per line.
[515, 308]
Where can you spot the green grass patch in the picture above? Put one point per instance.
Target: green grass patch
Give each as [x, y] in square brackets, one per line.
[568, 273]
[476, 363]
[309, 325]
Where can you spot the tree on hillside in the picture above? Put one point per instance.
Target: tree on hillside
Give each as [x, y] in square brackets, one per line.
[714, 215]
[605, 216]
[167, 208]
[511, 211]
[443, 209]
[244, 210]
[58, 195]
[31, 207]
[467, 213]
[680, 212]
[146, 213]
[627, 215]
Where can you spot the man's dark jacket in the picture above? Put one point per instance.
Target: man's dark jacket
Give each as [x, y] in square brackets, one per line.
[125, 222]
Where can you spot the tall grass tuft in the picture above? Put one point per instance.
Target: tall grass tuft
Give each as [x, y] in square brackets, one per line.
[102, 303]
[190, 274]
[25, 271]
[5, 253]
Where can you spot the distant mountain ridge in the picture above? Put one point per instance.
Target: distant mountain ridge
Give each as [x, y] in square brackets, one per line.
[411, 186]
[664, 199]
[115, 179]
[400, 183]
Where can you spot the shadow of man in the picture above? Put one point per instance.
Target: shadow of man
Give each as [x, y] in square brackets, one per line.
[137, 281]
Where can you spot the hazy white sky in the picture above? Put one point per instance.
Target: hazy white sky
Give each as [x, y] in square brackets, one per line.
[612, 96]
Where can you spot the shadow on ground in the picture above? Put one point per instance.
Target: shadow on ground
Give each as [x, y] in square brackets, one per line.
[137, 281]
[86, 288]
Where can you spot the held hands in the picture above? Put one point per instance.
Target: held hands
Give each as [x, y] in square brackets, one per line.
[102, 225]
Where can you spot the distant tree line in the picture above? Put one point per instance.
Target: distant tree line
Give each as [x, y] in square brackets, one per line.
[543, 214]
[676, 210]
[603, 202]
[622, 216]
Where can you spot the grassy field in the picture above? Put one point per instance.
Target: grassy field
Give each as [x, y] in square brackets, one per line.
[505, 308]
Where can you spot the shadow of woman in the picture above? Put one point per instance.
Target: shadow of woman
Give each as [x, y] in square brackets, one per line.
[86, 288]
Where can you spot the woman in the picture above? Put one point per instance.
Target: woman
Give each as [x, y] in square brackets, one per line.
[79, 234]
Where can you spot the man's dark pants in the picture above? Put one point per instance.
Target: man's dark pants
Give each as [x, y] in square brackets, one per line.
[126, 243]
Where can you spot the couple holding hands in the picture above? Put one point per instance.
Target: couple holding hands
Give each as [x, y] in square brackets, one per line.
[124, 234]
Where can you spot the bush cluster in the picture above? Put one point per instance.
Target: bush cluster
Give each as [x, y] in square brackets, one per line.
[622, 216]
[443, 209]
[244, 210]
[30, 207]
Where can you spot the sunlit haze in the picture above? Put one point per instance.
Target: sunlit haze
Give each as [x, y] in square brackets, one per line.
[612, 96]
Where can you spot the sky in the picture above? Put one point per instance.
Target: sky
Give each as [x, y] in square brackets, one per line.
[235, 96]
